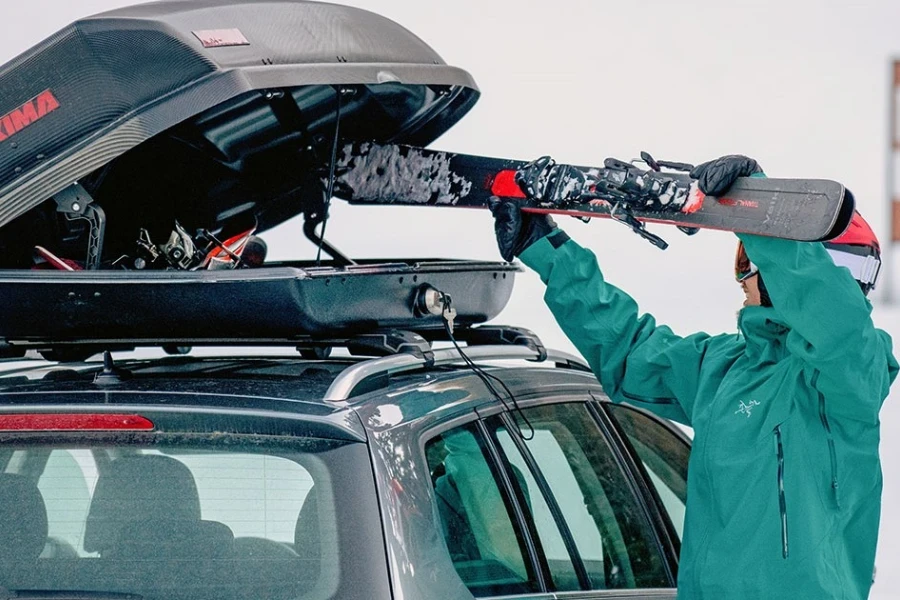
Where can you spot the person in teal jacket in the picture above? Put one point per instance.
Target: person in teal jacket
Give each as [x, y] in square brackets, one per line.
[784, 480]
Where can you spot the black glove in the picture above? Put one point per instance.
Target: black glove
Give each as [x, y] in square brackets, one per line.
[716, 176]
[517, 230]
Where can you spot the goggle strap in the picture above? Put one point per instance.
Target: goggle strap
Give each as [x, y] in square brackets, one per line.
[863, 268]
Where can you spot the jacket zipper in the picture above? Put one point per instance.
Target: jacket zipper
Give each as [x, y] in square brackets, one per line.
[782, 504]
[832, 453]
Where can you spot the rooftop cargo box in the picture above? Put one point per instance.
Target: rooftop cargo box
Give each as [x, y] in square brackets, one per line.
[200, 122]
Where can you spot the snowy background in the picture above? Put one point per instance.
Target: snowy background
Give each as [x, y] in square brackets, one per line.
[801, 85]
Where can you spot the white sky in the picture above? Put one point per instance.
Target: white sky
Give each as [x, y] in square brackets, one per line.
[801, 85]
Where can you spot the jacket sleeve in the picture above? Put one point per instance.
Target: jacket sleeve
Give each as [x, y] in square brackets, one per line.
[830, 323]
[635, 360]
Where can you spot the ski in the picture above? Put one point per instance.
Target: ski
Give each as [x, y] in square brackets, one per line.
[798, 209]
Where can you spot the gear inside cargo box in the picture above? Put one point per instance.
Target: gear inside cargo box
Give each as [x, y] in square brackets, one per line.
[194, 196]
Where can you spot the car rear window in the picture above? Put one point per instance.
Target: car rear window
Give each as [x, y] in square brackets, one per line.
[235, 517]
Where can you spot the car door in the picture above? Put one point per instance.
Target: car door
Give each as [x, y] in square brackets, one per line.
[544, 492]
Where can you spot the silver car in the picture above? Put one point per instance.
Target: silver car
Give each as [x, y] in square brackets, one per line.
[282, 477]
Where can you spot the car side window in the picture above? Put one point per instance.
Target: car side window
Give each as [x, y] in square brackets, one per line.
[485, 544]
[614, 540]
[664, 456]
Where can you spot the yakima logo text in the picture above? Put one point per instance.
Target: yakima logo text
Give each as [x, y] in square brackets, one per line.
[18, 119]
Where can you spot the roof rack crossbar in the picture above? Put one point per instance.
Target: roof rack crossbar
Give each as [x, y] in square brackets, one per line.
[344, 386]
[493, 335]
[374, 343]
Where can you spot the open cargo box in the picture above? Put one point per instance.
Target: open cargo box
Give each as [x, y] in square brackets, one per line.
[220, 116]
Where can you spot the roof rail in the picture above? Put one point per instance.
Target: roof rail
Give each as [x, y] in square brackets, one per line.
[373, 374]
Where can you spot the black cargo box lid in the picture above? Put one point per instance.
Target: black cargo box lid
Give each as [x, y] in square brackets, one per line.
[208, 110]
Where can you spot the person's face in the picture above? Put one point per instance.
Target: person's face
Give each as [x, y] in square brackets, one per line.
[750, 286]
[747, 276]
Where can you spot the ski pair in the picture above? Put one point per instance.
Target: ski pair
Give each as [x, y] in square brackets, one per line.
[663, 192]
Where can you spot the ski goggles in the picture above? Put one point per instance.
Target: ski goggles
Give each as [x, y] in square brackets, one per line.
[743, 268]
[862, 262]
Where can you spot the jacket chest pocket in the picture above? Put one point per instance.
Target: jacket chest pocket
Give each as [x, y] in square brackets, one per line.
[782, 499]
[783, 468]
[832, 453]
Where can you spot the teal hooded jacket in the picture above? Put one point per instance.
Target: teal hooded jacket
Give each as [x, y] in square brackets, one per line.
[784, 479]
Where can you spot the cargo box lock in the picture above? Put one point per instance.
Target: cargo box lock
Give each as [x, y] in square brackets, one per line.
[431, 301]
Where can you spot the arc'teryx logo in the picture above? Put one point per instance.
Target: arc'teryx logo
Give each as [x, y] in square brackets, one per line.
[746, 408]
[19, 118]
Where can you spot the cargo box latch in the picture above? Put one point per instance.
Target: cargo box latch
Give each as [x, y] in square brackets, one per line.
[76, 203]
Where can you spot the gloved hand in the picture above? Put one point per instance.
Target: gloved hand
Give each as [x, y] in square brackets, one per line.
[716, 176]
[517, 230]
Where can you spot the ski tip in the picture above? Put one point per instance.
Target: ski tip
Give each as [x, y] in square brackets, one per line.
[844, 216]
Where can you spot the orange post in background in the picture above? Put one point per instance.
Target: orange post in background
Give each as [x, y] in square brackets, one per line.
[894, 162]
[893, 179]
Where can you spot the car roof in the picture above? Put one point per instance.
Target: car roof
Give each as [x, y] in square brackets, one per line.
[275, 384]
[274, 377]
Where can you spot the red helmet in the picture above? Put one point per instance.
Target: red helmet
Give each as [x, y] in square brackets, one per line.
[856, 249]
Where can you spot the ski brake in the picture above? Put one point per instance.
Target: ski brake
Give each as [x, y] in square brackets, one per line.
[621, 213]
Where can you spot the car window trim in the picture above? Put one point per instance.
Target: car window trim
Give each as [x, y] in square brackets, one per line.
[633, 594]
[533, 399]
[550, 499]
[538, 562]
[666, 540]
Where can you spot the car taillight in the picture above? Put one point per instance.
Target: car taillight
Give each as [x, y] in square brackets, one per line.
[74, 422]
